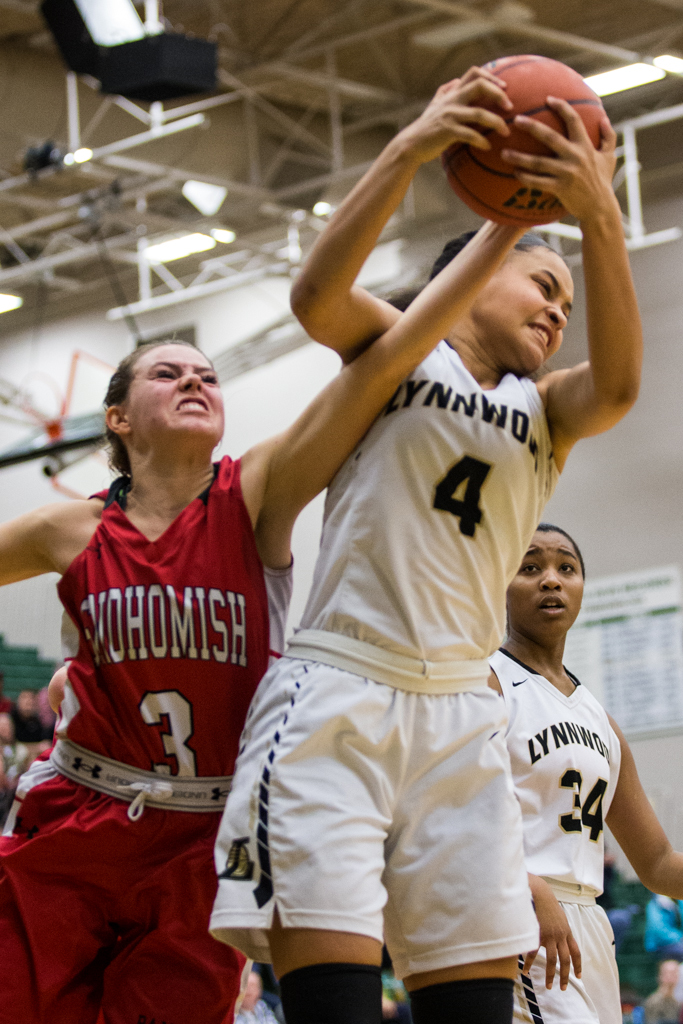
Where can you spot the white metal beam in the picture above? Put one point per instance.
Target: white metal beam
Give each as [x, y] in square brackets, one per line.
[196, 291]
[358, 91]
[521, 28]
[151, 136]
[179, 174]
[274, 113]
[73, 117]
[26, 271]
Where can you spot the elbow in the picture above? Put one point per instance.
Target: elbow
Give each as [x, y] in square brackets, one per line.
[619, 401]
[305, 301]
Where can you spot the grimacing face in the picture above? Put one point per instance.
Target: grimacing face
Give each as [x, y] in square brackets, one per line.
[545, 596]
[521, 312]
[174, 392]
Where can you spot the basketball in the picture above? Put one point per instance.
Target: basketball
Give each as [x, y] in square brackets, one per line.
[486, 182]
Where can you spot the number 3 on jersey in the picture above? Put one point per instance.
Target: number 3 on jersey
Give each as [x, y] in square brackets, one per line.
[466, 508]
[170, 709]
[588, 814]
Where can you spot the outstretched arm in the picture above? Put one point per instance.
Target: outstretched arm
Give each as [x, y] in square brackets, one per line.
[47, 539]
[593, 396]
[282, 475]
[635, 827]
[332, 309]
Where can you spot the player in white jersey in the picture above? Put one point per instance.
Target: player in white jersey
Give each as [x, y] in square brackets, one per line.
[573, 771]
[372, 796]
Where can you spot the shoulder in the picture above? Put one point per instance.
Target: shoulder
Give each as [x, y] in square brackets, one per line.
[64, 518]
[549, 381]
[63, 530]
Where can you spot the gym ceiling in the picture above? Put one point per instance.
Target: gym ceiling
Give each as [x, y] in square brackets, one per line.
[308, 93]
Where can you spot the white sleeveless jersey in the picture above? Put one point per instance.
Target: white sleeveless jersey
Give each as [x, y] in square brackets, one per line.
[565, 760]
[428, 519]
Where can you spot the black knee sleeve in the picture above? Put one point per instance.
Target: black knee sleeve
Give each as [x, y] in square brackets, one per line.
[475, 1001]
[332, 994]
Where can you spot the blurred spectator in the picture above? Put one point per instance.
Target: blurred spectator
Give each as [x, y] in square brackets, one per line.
[27, 725]
[620, 918]
[664, 927]
[631, 1009]
[5, 703]
[270, 993]
[45, 713]
[14, 759]
[606, 899]
[661, 1007]
[391, 1010]
[253, 1009]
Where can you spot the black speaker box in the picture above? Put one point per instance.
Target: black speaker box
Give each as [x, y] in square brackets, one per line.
[159, 67]
[81, 54]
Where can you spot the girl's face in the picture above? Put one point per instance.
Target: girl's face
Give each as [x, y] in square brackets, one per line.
[520, 314]
[174, 394]
[544, 598]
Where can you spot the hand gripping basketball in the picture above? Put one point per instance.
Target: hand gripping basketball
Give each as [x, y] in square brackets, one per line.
[486, 181]
[579, 175]
[462, 113]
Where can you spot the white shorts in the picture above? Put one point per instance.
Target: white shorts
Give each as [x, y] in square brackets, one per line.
[595, 998]
[360, 808]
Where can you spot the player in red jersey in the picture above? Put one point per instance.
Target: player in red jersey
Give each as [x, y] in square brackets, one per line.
[106, 880]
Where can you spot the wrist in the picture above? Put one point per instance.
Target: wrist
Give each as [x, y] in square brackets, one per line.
[603, 216]
[407, 149]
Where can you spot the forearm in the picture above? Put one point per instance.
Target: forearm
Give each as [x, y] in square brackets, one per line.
[326, 281]
[310, 453]
[615, 339]
[665, 875]
[449, 296]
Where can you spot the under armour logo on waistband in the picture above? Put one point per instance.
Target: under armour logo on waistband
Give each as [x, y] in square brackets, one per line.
[80, 765]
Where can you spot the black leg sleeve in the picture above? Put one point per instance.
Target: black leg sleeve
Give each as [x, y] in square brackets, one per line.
[332, 994]
[475, 1001]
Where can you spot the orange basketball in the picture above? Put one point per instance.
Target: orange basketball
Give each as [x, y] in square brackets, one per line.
[483, 179]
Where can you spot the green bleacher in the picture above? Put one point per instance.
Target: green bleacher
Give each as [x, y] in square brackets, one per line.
[637, 968]
[23, 668]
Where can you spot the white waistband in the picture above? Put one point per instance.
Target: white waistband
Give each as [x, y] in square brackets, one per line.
[572, 892]
[123, 781]
[397, 670]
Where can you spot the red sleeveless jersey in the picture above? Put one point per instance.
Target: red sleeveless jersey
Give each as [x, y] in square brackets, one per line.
[172, 634]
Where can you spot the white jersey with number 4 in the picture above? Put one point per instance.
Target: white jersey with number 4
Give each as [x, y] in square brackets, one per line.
[427, 521]
[565, 760]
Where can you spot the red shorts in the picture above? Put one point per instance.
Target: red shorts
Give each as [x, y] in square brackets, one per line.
[97, 911]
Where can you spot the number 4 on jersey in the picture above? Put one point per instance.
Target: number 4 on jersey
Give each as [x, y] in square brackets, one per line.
[466, 508]
[588, 814]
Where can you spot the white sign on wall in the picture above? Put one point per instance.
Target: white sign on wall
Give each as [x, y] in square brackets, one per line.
[627, 648]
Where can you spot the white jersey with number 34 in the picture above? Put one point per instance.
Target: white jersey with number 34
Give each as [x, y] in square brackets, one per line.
[565, 760]
[427, 521]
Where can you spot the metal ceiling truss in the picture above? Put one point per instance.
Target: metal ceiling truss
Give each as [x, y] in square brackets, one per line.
[117, 215]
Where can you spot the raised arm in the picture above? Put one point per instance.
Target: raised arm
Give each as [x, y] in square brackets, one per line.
[332, 309]
[46, 540]
[635, 827]
[593, 396]
[282, 475]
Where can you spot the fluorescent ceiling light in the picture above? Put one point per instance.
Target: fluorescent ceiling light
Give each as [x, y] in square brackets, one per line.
[8, 302]
[453, 33]
[321, 209]
[111, 22]
[206, 198]
[624, 78]
[82, 155]
[668, 63]
[223, 235]
[177, 248]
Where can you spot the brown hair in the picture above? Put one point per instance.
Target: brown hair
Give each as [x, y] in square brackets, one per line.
[117, 393]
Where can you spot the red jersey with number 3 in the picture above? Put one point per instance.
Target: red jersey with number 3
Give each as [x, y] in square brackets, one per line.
[172, 634]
